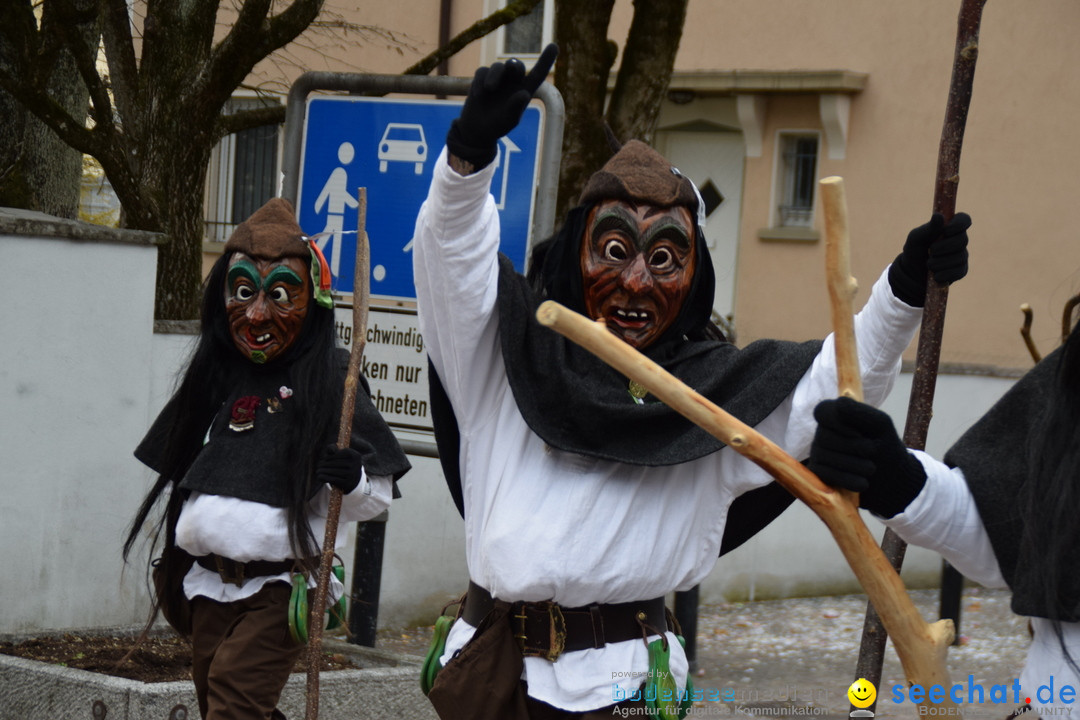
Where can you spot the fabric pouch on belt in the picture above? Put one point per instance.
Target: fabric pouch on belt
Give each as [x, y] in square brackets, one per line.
[483, 680]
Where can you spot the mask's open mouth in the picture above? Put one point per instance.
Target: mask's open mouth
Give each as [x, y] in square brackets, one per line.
[630, 319]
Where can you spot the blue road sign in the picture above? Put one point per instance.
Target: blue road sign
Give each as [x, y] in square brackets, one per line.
[390, 148]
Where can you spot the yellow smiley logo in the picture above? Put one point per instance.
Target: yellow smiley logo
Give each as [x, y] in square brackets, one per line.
[862, 693]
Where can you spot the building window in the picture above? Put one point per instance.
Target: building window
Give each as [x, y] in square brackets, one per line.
[528, 34]
[254, 170]
[797, 180]
[243, 174]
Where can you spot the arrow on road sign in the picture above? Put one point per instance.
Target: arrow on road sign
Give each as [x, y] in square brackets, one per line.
[508, 148]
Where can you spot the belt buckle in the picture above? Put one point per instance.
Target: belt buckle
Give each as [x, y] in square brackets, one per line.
[236, 579]
[556, 626]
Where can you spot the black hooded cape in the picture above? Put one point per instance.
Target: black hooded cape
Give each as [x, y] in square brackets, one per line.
[993, 455]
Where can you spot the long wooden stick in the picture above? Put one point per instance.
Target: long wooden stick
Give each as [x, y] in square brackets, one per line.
[361, 294]
[921, 646]
[921, 402]
[842, 287]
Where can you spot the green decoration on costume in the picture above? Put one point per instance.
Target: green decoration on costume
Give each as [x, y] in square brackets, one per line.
[431, 666]
[661, 695]
[336, 612]
[258, 356]
[298, 609]
[298, 606]
[320, 277]
[687, 701]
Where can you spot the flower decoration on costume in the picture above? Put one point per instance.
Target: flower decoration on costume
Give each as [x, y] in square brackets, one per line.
[243, 413]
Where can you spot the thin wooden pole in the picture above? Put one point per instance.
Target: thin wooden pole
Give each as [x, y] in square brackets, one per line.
[928, 355]
[361, 296]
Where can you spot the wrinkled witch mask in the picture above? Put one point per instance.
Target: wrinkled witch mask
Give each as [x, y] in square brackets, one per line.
[637, 266]
[266, 302]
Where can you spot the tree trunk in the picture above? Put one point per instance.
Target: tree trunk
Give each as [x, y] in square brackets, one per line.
[38, 170]
[179, 269]
[581, 75]
[585, 60]
[645, 72]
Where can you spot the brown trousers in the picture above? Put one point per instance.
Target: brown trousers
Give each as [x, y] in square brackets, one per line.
[483, 681]
[242, 654]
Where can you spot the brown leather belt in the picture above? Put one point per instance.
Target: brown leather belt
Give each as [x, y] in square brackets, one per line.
[546, 629]
[235, 572]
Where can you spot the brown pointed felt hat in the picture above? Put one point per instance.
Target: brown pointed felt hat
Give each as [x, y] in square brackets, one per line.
[270, 233]
[639, 174]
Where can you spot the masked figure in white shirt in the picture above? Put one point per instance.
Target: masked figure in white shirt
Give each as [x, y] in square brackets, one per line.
[585, 500]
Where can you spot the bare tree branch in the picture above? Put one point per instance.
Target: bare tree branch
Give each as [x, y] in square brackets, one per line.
[248, 119]
[244, 46]
[474, 32]
[120, 57]
[50, 112]
[61, 17]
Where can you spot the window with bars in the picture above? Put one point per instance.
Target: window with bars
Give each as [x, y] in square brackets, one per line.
[254, 170]
[798, 170]
[243, 174]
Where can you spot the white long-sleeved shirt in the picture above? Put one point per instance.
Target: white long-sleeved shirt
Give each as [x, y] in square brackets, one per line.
[244, 530]
[541, 524]
[944, 518]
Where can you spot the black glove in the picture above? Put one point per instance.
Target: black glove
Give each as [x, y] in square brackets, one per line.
[496, 100]
[339, 468]
[934, 247]
[856, 448]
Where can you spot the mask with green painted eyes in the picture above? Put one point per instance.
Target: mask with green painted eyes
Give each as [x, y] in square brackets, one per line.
[266, 302]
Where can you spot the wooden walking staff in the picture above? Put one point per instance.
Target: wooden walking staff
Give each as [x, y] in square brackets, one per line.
[348, 402]
[921, 403]
[842, 287]
[921, 646]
